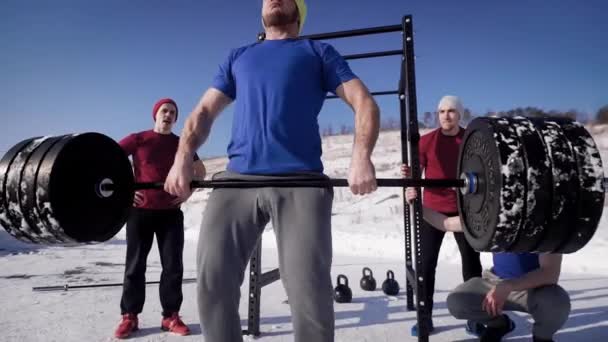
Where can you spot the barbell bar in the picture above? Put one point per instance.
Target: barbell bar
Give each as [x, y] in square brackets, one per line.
[463, 183]
[525, 185]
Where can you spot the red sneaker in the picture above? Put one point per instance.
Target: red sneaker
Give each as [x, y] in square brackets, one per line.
[127, 326]
[174, 325]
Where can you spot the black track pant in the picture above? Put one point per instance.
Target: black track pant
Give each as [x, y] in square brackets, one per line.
[143, 224]
[431, 244]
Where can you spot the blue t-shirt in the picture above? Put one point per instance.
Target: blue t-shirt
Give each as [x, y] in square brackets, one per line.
[279, 87]
[514, 265]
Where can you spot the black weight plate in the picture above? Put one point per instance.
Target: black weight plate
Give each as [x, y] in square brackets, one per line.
[10, 171]
[564, 185]
[590, 203]
[538, 185]
[492, 216]
[68, 180]
[45, 233]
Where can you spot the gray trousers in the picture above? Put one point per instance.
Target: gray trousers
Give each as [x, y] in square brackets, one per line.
[232, 223]
[548, 305]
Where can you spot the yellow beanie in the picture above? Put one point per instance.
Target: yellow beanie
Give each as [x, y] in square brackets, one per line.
[303, 10]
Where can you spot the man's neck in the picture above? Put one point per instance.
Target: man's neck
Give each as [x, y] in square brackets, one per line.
[282, 32]
[451, 132]
[161, 131]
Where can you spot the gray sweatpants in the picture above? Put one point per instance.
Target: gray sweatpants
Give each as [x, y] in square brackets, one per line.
[548, 305]
[233, 221]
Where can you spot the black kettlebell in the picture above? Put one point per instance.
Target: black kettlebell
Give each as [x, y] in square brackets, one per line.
[390, 286]
[368, 283]
[342, 293]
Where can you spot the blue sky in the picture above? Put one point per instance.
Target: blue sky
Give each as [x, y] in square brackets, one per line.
[75, 66]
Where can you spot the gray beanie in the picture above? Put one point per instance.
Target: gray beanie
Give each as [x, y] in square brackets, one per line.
[451, 101]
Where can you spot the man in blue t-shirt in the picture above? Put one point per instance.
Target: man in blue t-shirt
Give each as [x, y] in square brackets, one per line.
[278, 87]
[525, 282]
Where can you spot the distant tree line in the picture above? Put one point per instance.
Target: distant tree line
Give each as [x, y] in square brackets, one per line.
[429, 119]
[602, 115]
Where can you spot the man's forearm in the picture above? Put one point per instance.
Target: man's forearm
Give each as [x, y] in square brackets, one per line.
[531, 280]
[436, 219]
[367, 125]
[441, 221]
[195, 133]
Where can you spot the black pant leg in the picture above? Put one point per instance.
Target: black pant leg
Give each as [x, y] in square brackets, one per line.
[471, 263]
[170, 238]
[431, 239]
[139, 241]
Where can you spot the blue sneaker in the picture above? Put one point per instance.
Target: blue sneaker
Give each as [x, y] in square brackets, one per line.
[414, 330]
[474, 328]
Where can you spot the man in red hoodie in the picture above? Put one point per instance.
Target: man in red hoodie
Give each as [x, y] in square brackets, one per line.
[438, 152]
[157, 213]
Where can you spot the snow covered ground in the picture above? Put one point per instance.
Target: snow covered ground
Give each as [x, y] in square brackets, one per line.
[367, 231]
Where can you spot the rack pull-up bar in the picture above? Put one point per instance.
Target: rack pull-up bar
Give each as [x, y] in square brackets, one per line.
[409, 145]
[354, 33]
[348, 33]
[375, 93]
[374, 54]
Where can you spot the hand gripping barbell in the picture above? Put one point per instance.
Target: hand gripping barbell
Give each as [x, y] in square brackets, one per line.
[525, 185]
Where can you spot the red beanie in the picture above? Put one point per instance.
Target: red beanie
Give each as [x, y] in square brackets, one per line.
[160, 103]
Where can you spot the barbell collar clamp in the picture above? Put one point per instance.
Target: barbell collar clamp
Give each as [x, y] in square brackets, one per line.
[471, 183]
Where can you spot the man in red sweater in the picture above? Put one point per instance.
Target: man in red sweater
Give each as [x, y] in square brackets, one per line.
[438, 153]
[157, 213]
